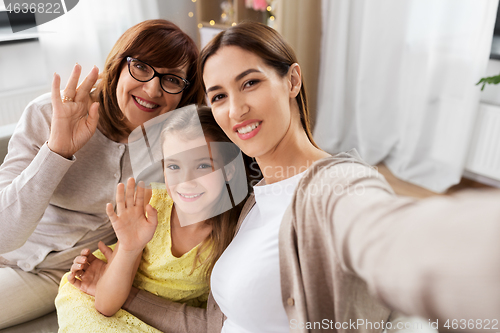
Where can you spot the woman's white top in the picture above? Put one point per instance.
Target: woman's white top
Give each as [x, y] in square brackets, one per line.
[246, 279]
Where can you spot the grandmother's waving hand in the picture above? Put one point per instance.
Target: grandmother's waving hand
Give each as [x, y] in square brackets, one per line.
[75, 115]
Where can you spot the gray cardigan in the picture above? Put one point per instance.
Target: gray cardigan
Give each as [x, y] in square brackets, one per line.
[346, 233]
[52, 207]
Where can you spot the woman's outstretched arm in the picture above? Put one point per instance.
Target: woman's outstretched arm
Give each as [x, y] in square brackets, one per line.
[438, 257]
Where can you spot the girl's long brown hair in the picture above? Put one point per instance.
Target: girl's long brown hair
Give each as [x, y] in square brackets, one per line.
[160, 43]
[271, 47]
[224, 224]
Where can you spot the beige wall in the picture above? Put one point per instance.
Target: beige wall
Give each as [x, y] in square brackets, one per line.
[299, 21]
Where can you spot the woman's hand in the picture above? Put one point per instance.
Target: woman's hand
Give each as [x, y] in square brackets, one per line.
[133, 229]
[73, 122]
[87, 269]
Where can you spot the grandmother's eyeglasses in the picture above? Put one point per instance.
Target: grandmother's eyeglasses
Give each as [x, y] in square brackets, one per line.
[143, 72]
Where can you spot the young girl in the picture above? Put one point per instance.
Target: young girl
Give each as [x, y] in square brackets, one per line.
[169, 251]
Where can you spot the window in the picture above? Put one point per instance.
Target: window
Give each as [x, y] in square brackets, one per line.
[495, 44]
[22, 21]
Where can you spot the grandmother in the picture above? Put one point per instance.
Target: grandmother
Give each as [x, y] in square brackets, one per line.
[69, 152]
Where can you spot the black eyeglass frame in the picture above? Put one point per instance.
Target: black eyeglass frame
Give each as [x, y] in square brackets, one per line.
[156, 74]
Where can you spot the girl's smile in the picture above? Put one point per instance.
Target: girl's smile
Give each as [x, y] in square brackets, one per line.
[192, 180]
[190, 197]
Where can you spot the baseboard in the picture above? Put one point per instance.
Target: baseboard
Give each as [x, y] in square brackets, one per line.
[481, 179]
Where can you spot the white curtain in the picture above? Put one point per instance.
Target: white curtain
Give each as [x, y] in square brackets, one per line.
[86, 33]
[397, 82]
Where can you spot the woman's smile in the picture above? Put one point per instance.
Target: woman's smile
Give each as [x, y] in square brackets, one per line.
[144, 104]
[141, 101]
[248, 129]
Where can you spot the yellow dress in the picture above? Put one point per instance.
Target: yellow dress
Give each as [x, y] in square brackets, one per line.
[159, 273]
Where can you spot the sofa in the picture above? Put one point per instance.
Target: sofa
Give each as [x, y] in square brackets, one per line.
[47, 323]
[5, 134]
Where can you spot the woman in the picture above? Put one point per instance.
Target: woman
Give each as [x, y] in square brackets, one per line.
[320, 229]
[60, 171]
